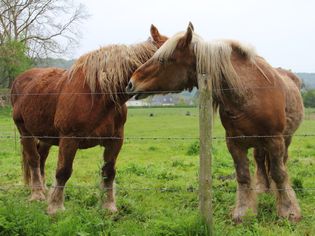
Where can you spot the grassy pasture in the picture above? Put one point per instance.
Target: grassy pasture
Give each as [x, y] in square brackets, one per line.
[157, 183]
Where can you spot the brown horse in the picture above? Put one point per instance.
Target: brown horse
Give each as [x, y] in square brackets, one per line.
[76, 110]
[260, 107]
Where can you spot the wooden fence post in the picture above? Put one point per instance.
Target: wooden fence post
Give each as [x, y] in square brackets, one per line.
[205, 134]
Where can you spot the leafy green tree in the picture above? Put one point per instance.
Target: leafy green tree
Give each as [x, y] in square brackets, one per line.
[309, 98]
[13, 61]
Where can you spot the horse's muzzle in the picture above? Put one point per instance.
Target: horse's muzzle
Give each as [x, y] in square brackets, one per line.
[130, 88]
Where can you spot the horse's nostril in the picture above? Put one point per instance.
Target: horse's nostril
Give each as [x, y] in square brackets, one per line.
[129, 86]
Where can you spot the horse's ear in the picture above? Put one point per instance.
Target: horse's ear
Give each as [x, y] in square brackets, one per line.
[155, 34]
[158, 38]
[191, 26]
[186, 39]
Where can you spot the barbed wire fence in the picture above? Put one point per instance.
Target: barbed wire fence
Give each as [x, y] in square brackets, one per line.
[12, 134]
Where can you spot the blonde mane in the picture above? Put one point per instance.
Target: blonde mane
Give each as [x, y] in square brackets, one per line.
[110, 67]
[214, 59]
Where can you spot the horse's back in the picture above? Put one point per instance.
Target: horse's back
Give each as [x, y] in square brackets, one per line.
[41, 80]
[290, 75]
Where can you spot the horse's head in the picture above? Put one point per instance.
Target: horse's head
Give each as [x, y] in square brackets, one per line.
[172, 68]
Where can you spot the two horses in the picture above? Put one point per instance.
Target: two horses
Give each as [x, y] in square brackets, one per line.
[256, 102]
[260, 107]
[76, 109]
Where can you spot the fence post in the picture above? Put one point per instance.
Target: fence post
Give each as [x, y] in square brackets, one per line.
[205, 134]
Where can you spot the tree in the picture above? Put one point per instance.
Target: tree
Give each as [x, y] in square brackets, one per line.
[309, 98]
[32, 29]
[45, 27]
[13, 61]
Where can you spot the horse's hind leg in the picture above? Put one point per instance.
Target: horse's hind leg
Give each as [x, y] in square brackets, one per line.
[287, 205]
[287, 141]
[31, 162]
[246, 197]
[67, 151]
[43, 151]
[112, 149]
[262, 181]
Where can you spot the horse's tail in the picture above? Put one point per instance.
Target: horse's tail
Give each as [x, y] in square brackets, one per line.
[26, 169]
[13, 93]
[16, 91]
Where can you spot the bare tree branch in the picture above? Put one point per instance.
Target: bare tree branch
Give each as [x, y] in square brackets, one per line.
[45, 26]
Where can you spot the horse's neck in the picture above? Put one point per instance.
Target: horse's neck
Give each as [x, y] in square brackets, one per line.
[122, 95]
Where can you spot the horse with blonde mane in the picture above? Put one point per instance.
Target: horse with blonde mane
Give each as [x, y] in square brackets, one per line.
[260, 107]
[76, 109]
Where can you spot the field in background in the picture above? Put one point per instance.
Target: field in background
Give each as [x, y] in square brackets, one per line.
[157, 183]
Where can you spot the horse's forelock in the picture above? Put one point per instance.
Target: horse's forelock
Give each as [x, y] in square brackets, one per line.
[168, 48]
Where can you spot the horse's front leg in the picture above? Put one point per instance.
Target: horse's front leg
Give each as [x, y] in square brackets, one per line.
[67, 151]
[112, 149]
[246, 197]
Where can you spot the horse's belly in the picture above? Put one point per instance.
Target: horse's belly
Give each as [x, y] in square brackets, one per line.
[89, 143]
[51, 140]
[253, 122]
[38, 118]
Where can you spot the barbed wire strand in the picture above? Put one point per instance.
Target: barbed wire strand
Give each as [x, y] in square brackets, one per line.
[156, 92]
[153, 138]
[188, 189]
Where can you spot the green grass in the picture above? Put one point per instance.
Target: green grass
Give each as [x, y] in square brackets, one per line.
[157, 184]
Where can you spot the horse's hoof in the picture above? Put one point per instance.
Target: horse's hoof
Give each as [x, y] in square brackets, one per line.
[261, 188]
[110, 206]
[237, 220]
[37, 196]
[295, 218]
[293, 215]
[239, 213]
[52, 210]
[237, 216]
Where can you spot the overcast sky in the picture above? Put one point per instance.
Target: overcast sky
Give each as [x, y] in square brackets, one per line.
[282, 31]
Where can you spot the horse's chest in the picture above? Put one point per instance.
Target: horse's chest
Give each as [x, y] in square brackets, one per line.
[235, 121]
[229, 116]
[106, 127]
[103, 132]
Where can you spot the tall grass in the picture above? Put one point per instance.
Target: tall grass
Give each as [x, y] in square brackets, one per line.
[157, 184]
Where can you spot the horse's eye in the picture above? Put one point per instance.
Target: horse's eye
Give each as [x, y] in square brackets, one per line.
[171, 59]
[161, 60]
